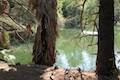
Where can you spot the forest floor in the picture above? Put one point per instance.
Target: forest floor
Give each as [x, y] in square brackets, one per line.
[40, 72]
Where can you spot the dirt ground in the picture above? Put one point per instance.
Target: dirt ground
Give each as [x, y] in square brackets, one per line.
[40, 72]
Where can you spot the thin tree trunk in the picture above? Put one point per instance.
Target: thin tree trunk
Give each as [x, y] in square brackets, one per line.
[106, 68]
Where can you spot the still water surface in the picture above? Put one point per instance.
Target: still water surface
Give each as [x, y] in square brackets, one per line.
[84, 60]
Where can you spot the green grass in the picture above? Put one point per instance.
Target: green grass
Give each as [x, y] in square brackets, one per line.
[23, 53]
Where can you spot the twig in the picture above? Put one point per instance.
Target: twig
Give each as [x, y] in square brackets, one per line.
[25, 9]
[81, 16]
[81, 19]
[19, 36]
[95, 26]
[15, 21]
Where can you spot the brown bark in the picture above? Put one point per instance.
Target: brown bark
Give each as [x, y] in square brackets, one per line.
[44, 45]
[106, 68]
[4, 7]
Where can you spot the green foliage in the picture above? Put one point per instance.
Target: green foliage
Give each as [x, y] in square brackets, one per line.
[71, 11]
[60, 5]
[70, 8]
[6, 41]
[7, 56]
[11, 3]
[19, 11]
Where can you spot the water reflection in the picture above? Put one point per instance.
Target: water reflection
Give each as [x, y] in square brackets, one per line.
[61, 60]
[88, 61]
[84, 60]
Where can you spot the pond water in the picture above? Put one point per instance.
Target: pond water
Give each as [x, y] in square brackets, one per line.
[84, 60]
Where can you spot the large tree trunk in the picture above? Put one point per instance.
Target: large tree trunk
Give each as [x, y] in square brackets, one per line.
[45, 39]
[106, 67]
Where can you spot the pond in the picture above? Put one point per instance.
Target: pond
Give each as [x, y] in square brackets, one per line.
[80, 51]
[71, 51]
[84, 60]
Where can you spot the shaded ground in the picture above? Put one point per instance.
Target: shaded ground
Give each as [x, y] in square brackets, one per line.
[40, 72]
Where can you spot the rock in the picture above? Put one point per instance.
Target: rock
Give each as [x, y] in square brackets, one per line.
[3, 65]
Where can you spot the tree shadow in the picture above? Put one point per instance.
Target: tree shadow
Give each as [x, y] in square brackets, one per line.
[23, 72]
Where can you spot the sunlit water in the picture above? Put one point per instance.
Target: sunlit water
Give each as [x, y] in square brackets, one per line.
[82, 59]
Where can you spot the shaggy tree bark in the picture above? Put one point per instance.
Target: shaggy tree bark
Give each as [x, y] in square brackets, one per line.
[45, 39]
[106, 68]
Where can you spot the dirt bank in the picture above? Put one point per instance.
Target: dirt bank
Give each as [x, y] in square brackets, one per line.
[40, 72]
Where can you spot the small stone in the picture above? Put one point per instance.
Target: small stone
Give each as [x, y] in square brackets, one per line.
[56, 67]
[66, 71]
[52, 77]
